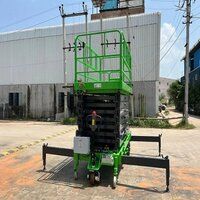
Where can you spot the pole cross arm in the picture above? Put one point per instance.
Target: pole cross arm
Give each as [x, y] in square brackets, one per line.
[74, 14]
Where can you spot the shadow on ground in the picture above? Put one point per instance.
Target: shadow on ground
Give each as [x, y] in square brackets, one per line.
[63, 174]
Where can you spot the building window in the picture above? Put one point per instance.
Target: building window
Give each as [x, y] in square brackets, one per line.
[15, 99]
[159, 90]
[192, 63]
[196, 77]
[167, 83]
[70, 102]
[61, 97]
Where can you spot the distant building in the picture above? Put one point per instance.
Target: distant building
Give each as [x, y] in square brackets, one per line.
[163, 86]
[31, 65]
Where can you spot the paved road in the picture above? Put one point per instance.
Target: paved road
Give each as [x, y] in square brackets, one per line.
[21, 176]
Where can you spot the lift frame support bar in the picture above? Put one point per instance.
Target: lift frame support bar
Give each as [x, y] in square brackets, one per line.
[148, 139]
[149, 162]
[55, 151]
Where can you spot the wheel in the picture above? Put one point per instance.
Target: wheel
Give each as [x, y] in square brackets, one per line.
[98, 177]
[75, 175]
[128, 147]
[114, 182]
[92, 178]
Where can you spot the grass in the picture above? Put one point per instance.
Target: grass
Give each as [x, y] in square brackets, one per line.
[163, 124]
[150, 123]
[184, 125]
[166, 112]
[70, 121]
[143, 123]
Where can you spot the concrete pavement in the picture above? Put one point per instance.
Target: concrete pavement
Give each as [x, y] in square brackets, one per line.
[21, 175]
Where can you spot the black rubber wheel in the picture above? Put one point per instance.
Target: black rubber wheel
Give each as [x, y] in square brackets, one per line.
[128, 147]
[92, 178]
[114, 182]
[75, 175]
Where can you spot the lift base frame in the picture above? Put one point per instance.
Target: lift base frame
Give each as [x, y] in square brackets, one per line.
[120, 157]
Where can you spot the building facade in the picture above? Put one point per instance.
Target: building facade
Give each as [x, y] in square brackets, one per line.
[194, 64]
[31, 67]
[164, 84]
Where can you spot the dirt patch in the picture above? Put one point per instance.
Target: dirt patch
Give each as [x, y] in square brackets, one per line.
[16, 173]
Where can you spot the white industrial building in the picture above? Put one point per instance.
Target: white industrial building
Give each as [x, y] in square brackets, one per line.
[31, 66]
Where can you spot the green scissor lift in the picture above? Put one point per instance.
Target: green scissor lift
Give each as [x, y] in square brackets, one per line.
[102, 85]
[92, 76]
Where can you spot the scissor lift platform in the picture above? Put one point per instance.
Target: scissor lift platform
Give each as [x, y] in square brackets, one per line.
[102, 85]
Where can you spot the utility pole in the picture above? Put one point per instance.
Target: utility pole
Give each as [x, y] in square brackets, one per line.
[62, 12]
[128, 37]
[63, 15]
[187, 46]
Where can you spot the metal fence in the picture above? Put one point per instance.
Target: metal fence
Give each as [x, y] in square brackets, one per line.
[12, 112]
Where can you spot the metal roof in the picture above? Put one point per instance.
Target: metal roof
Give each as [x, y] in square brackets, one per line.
[193, 49]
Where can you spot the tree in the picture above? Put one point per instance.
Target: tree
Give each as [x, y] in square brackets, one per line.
[162, 98]
[176, 94]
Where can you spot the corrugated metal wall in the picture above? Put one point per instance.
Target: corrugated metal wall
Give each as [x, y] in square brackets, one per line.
[35, 56]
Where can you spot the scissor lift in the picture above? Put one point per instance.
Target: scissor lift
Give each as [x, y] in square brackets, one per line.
[103, 85]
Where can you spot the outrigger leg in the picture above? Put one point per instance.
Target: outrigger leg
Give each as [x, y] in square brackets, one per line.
[150, 162]
[55, 151]
[135, 138]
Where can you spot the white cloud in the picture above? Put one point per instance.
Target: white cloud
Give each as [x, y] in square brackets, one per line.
[171, 66]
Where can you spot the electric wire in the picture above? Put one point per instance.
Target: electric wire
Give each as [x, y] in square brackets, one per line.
[35, 15]
[27, 18]
[42, 22]
[175, 64]
[173, 43]
[171, 35]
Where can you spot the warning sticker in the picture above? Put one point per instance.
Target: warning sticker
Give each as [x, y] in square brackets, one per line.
[97, 85]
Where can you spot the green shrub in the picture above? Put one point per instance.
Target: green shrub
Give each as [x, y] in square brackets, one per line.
[70, 121]
[159, 123]
[166, 112]
[176, 93]
[150, 123]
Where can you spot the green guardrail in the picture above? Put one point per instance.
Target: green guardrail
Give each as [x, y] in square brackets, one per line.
[91, 74]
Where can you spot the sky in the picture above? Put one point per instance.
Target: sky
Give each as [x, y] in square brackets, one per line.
[23, 14]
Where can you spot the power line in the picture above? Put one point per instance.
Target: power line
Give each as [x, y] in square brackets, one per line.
[40, 23]
[174, 65]
[166, 1]
[35, 15]
[172, 44]
[195, 30]
[172, 34]
[166, 52]
[196, 14]
[196, 8]
[163, 9]
[27, 18]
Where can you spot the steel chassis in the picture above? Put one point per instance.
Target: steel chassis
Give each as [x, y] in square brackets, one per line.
[121, 157]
